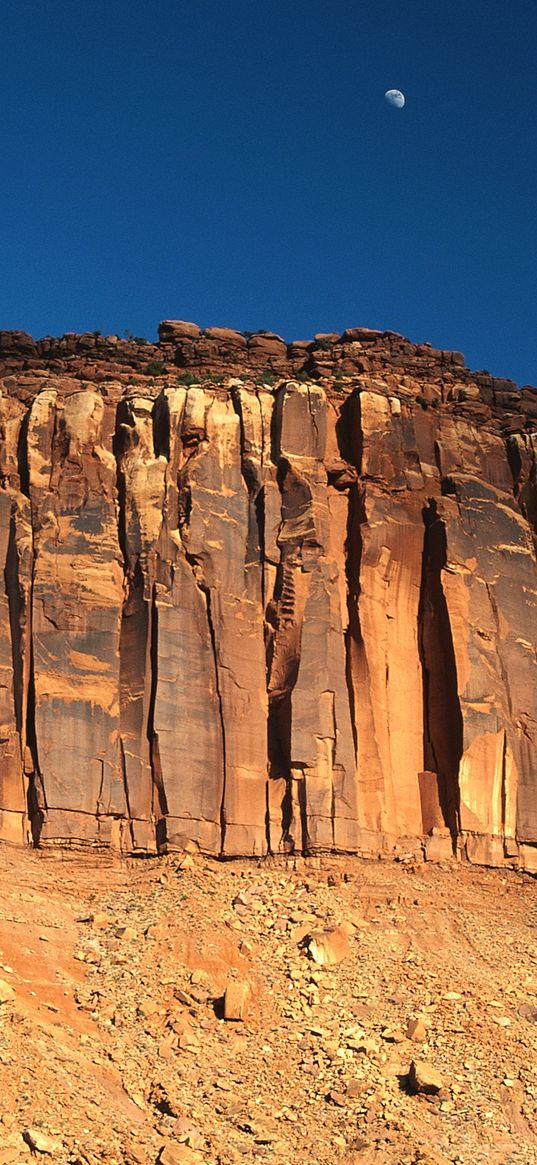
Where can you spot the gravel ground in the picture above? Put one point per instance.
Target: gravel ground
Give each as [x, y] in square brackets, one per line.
[115, 978]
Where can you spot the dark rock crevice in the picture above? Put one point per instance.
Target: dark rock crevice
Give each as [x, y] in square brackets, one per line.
[212, 635]
[160, 806]
[442, 717]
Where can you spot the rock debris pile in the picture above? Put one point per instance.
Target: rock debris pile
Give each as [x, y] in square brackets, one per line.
[261, 597]
[173, 1012]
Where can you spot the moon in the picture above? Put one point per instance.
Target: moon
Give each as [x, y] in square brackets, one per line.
[395, 97]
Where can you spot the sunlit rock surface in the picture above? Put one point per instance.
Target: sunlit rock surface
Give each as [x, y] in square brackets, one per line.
[261, 597]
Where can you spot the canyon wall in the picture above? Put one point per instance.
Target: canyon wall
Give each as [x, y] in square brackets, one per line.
[260, 597]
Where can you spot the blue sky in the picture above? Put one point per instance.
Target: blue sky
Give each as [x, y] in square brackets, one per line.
[237, 164]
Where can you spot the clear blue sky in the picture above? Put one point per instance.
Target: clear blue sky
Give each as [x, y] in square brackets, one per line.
[236, 163]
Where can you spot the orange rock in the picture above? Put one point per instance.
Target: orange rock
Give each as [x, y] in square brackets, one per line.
[327, 947]
[245, 619]
[236, 1000]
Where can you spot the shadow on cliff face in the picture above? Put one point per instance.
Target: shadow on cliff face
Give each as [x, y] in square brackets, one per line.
[349, 431]
[524, 475]
[282, 680]
[23, 682]
[442, 718]
[35, 796]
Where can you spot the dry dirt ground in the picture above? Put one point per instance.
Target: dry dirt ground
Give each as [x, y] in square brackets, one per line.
[114, 1047]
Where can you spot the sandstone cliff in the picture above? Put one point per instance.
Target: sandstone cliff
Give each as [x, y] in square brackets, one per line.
[262, 597]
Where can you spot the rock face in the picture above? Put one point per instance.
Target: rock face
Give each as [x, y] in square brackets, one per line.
[283, 600]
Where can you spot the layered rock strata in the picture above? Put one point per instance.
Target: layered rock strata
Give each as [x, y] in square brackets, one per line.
[264, 598]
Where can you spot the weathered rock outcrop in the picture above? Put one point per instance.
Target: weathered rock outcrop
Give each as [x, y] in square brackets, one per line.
[260, 597]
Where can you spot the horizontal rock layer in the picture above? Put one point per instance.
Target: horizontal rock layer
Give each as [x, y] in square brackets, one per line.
[265, 611]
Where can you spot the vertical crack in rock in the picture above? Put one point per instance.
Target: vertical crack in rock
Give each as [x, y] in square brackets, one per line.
[348, 431]
[35, 793]
[207, 596]
[510, 717]
[353, 633]
[260, 505]
[283, 652]
[160, 803]
[126, 792]
[123, 420]
[134, 646]
[14, 545]
[15, 603]
[312, 414]
[305, 843]
[124, 423]
[260, 519]
[442, 716]
[37, 804]
[283, 658]
[522, 458]
[22, 455]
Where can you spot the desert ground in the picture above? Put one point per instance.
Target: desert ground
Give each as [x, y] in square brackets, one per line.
[171, 1010]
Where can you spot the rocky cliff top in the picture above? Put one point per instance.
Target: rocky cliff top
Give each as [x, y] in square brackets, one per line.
[382, 361]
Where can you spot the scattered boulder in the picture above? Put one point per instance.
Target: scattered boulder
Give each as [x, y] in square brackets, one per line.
[236, 1000]
[7, 992]
[328, 947]
[416, 1030]
[40, 1142]
[178, 1154]
[424, 1078]
[126, 933]
[528, 1011]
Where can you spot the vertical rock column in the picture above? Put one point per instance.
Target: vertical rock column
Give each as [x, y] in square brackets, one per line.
[490, 583]
[307, 687]
[16, 573]
[216, 535]
[142, 493]
[187, 727]
[256, 411]
[77, 600]
[385, 562]
[171, 724]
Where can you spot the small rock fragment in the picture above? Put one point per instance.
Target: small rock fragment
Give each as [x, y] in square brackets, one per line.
[40, 1142]
[423, 1078]
[126, 933]
[6, 991]
[236, 1000]
[392, 1035]
[356, 1088]
[416, 1030]
[337, 1098]
[100, 921]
